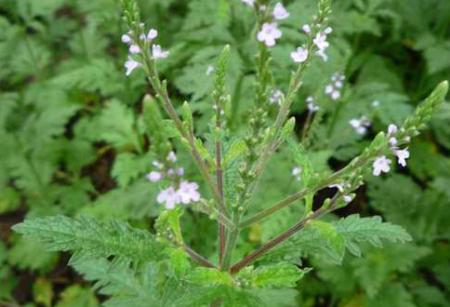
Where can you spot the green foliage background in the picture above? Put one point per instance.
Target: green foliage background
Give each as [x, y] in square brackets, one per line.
[73, 140]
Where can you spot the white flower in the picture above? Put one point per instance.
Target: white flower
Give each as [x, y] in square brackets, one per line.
[169, 197]
[276, 97]
[322, 44]
[329, 89]
[402, 155]
[335, 95]
[296, 171]
[172, 157]
[134, 49]
[360, 125]
[180, 171]
[188, 193]
[312, 107]
[279, 12]
[126, 39]
[269, 33]
[381, 165]
[328, 30]
[249, 2]
[348, 198]
[131, 65]
[321, 41]
[300, 55]
[392, 130]
[375, 103]
[322, 55]
[333, 89]
[154, 176]
[159, 53]
[306, 28]
[152, 34]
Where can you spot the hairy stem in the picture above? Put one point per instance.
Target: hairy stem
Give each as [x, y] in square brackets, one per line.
[197, 257]
[219, 179]
[285, 235]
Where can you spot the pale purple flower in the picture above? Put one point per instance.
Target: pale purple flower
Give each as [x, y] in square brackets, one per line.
[322, 44]
[169, 197]
[280, 12]
[269, 34]
[402, 155]
[335, 95]
[312, 107]
[188, 193]
[172, 157]
[381, 165]
[131, 65]
[134, 49]
[126, 38]
[152, 34]
[306, 28]
[348, 198]
[154, 176]
[300, 55]
[276, 97]
[334, 88]
[159, 53]
[360, 125]
[321, 41]
[180, 171]
[392, 130]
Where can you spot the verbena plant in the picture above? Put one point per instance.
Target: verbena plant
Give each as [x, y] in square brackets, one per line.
[139, 267]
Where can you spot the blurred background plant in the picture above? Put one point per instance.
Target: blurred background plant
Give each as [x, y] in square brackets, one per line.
[73, 139]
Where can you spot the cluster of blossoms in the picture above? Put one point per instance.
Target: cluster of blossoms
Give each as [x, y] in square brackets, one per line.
[360, 125]
[270, 32]
[334, 88]
[311, 104]
[276, 96]
[180, 191]
[382, 164]
[156, 51]
[320, 40]
[296, 172]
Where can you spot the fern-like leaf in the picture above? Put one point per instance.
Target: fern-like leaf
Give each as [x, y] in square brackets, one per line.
[90, 237]
[355, 229]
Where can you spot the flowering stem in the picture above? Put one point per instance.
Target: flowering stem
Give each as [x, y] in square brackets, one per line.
[219, 178]
[161, 91]
[331, 206]
[197, 257]
[333, 178]
[276, 241]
